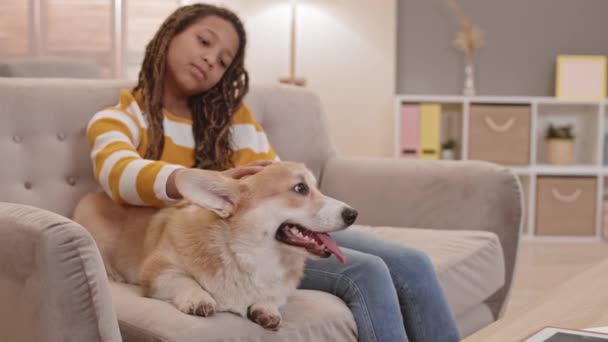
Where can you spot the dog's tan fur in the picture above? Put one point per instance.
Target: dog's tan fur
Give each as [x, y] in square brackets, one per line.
[216, 249]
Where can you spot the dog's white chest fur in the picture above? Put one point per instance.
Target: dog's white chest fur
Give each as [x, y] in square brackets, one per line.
[251, 276]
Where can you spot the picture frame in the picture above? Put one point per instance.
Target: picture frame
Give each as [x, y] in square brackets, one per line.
[581, 77]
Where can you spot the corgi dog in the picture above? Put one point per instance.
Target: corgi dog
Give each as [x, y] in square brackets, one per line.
[231, 245]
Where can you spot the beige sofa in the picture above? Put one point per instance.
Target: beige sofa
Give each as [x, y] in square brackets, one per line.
[466, 215]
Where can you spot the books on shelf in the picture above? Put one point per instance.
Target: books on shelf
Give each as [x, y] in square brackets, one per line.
[420, 130]
[429, 130]
[410, 138]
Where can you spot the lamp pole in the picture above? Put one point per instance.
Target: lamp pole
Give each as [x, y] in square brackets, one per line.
[292, 79]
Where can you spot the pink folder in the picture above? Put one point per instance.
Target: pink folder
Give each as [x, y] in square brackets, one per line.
[410, 130]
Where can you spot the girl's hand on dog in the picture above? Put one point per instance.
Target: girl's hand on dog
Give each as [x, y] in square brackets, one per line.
[236, 173]
[247, 170]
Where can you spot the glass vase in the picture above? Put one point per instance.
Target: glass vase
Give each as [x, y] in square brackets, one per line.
[469, 80]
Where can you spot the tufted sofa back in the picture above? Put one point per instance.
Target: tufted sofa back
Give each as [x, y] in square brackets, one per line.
[44, 155]
[48, 66]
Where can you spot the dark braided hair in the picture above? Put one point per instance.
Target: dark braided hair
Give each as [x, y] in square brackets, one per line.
[213, 110]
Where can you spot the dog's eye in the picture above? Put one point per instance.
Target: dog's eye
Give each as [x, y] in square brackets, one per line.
[301, 188]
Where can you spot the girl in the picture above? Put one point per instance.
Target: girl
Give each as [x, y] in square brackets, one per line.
[186, 111]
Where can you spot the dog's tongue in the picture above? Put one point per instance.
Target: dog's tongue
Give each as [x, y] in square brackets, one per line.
[332, 246]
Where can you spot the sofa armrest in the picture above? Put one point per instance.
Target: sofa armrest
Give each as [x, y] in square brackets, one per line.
[463, 195]
[53, 285]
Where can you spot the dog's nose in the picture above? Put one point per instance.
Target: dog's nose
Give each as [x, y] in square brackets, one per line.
[349, 215]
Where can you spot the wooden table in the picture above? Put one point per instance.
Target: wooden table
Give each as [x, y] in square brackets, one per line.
[581, 302]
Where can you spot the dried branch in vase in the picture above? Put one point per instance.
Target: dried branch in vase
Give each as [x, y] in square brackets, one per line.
[470, 37]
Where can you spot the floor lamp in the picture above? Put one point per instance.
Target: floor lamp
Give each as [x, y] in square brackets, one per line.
[292, 79]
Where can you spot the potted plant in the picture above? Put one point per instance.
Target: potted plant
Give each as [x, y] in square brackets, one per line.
[448, 149]
[559, 145]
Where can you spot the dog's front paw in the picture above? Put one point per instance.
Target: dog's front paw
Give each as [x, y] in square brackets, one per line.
[203, 309]
[266, 315]
[200, 304]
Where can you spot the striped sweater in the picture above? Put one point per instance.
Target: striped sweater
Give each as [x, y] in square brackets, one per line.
[118, 139]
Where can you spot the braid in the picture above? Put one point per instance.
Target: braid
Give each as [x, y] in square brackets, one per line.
[213, 110]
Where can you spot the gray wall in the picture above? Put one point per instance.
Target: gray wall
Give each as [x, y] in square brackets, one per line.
[522, 40]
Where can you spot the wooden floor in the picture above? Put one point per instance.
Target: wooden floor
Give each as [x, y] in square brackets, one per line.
[542, 265]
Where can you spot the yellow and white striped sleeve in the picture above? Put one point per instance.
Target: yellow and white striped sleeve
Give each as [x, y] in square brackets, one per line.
[113, 135]
[250, 142]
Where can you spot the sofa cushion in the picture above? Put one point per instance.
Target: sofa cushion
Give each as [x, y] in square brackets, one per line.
[308, 316]
[474, 319]
[469, 264]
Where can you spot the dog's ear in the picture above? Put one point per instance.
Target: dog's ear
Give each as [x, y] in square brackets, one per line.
[209, 189]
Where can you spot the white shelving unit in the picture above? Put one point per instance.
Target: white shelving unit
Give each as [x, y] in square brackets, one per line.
[589, 119]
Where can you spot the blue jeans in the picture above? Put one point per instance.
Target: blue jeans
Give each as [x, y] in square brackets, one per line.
[392, 290]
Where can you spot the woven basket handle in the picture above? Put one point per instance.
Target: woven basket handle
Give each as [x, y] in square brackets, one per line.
[499, 128]
[573, 197]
